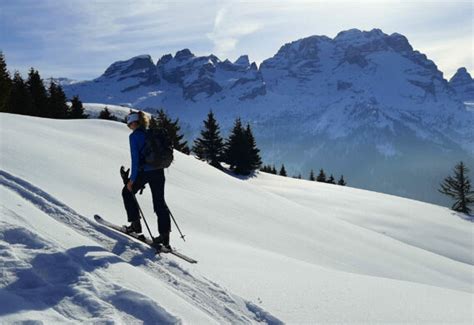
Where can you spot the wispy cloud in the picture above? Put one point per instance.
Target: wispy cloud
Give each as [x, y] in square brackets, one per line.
[229, 27]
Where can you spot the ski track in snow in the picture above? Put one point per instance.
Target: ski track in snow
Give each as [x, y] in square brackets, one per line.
[47, 266]
[47, 277]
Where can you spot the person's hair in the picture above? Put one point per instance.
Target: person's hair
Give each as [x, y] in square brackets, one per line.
[143, 120]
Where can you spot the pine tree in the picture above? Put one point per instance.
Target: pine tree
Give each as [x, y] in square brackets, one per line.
[38, 94]
[282, 171]
[57, 101]
[210, 146]
[267, 169]
[5, 84]
[331, 180]
[77, 110]
[341, 181]
[19, 101]
[106, 115]
[241, 151]
[311, 176]
[273, 170]
[173, 130]
[235, 148]
[254, 160]
[321, 177]
[459, 188]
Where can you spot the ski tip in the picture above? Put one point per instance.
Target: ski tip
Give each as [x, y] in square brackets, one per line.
[97, 217]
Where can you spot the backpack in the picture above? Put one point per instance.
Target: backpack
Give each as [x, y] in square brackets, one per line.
[158, 148]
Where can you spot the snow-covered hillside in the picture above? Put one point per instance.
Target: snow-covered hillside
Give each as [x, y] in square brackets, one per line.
[269, 248]
[364, 104]
[93, 110]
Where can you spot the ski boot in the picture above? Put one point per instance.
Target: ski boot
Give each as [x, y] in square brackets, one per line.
[135, 227]
[162, 243]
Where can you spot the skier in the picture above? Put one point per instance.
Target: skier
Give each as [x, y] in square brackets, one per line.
[141, 174]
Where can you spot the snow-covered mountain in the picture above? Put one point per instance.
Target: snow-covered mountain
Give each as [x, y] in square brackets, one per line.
[269, 248]
[463, 84]
[363, 104]
[192, 77]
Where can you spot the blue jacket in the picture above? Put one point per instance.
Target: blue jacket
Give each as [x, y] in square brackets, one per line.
[137, 142]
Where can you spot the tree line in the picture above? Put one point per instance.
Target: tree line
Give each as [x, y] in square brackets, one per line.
[31, 97]
[239, 151]
[320, 178]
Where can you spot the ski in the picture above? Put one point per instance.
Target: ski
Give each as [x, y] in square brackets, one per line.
[143, 239]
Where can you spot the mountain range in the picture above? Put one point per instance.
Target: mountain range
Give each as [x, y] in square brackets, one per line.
[364, 104]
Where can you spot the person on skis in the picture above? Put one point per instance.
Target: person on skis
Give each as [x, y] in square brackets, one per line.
[141, 174]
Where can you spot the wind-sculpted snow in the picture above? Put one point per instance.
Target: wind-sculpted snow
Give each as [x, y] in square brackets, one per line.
[41, 279]
[41, 276]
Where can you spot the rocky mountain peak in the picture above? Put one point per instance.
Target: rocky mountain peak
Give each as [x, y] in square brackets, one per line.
[242, 60]
[355, 35]
[136, 64]
[461, 76]
[463, 84]
[184, 54]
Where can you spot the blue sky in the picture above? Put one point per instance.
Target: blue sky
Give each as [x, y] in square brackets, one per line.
[79, 39]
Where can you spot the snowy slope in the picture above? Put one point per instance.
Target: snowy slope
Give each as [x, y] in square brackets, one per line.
[264, 239]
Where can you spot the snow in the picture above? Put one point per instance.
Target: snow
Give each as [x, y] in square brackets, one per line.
[469, 106]
[269, 248]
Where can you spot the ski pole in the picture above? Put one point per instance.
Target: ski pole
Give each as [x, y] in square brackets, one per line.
[172, 217]
[143, 216]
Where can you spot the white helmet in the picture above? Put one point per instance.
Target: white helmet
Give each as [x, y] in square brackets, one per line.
[132, 117]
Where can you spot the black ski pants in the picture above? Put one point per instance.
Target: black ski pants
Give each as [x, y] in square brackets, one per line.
[156, 180]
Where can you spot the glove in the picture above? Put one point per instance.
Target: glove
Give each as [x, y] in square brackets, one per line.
[124, 173]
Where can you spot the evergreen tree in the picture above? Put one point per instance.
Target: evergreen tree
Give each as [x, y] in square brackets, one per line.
[38, 94]
[241, 151]
[459, 188]
[5, 84]
[267, 169]
[106, 115]
[210, 146]
[321, 177]
[19, 101]
[282, 171]
[77, 110]
[331, 180]
[273, 170]
[173, 130]
[341, 181]
[235, 149]
[124, 120]
[311, 176]
[57, 102]
[254, 160]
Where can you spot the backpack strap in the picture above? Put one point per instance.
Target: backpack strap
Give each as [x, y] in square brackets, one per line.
[141, 159]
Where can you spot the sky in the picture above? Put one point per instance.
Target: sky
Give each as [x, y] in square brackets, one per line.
[79, 39]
